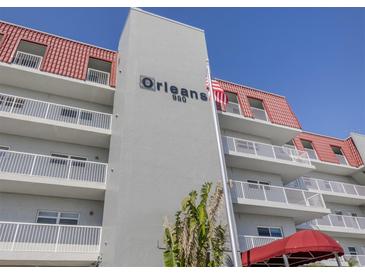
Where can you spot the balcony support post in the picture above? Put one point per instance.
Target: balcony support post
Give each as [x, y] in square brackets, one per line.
[33, 165]
[343, 188]
[338, 260]
[263, 189]
[69, 169]
[58, 238]
[285, 197]
[357, 223]
[305, 199]
[286, 261]
[12, 105]
[78, 117]
[357, 193]
[15, 235]
[45, 116]
[243, 192]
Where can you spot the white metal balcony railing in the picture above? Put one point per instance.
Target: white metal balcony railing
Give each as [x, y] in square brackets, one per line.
[360, 259]
[342, 159]
[48, 166]
[233, 108]
[249, 242]
[49, 238]
[269, 193]
[27, 60]
[54, 112]
[265, 150]
[98, 76]
[328, 186]
[259, 114]
[340, 221]
[311, 153]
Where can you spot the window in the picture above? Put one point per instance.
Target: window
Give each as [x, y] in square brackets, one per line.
[338, 212]
[98, 71]
[58, 159]
[339, 155]
[257, 108]
[29, 54]
[67, 218]
[2, 150]
[86, 116]
[62, 159]
[233, 105]
[4, 147]
[245, 147]
[54, 217]
[80, 161]
[68, 112]
[290, 144]
[269, 231]
[352, 250]
[308, 147]
[258, 182]
[47, 217]
[8, 101]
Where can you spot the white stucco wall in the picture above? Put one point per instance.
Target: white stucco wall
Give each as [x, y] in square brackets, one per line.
[247, 224]
[39, 146]
[23, 208]
[31, 94]
[244, 174]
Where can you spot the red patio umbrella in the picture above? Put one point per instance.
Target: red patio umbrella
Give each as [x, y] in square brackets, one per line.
[303, 247]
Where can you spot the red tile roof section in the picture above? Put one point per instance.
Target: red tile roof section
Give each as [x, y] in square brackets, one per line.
[322, 146]
[277, 107]
[63, 57]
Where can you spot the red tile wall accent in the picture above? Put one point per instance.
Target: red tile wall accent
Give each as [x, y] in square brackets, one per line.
[357, 157]
[322, 146]
[63, 57]
[277, 108]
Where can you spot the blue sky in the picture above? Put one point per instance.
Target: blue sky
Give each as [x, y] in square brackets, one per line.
[314, 57]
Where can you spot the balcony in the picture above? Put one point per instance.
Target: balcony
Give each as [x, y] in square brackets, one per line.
[338, 225]
[27, 60]
[340, 168]
[360, 259]
[271, 200]
[336, 192]
[25, 72]
[98, 76]
[33, 118]
[46, 244]
[232, 119]
[51, 176]
[286, 162]
[249, 242]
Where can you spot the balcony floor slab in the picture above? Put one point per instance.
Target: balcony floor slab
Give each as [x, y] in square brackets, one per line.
[299, 213]
[337, 231]
[326, 167]
[278, 134]
[53, 130]
[48, 186]
[23, 77]
[37, 258]
[289, 171]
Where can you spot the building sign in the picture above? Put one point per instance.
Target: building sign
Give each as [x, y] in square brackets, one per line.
[178, 94]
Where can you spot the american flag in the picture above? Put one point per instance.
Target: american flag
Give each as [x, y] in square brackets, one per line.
[219, 95]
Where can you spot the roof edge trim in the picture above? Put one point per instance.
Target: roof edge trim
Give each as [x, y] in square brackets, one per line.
[58, 36]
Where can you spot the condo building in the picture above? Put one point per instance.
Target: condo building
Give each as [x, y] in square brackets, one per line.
[98, 146]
